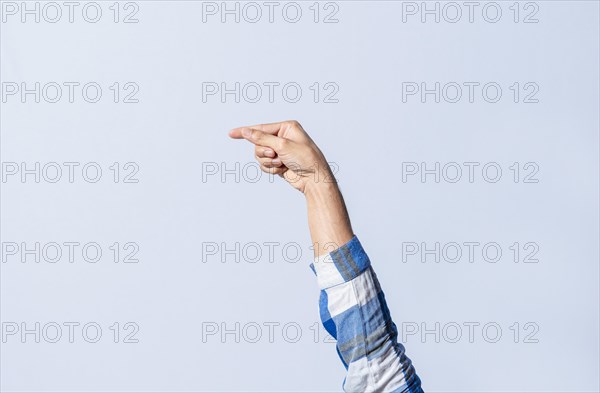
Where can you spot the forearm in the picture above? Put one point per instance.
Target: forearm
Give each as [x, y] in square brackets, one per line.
[327, 215]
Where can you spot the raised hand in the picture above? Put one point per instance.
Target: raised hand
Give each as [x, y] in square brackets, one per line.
[286, 149]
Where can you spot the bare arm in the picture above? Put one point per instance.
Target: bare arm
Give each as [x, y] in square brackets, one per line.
[327, 217]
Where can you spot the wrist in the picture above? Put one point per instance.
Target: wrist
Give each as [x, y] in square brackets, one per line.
[314, 191]
[321, 183]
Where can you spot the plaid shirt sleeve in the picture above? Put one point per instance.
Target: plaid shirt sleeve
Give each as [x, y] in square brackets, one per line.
[354, 312]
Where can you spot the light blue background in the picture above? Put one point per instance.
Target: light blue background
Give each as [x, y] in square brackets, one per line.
[368, 134]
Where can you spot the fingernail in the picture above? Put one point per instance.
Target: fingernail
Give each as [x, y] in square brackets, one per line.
[269, 152]
[276, 161]
[246, 132]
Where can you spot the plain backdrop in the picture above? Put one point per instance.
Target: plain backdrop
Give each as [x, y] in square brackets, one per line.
[187, 209]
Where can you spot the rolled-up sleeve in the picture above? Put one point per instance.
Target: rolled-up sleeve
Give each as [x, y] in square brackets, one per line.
[354, 312]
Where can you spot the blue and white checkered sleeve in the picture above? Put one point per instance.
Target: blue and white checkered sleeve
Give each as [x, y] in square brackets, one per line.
[353, 310]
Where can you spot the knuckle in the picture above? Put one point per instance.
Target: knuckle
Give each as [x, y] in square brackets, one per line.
[284, 144]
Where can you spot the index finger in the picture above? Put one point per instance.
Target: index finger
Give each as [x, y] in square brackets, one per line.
[270, 128]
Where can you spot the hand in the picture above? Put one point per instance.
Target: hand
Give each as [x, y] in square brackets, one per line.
[287, 150]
